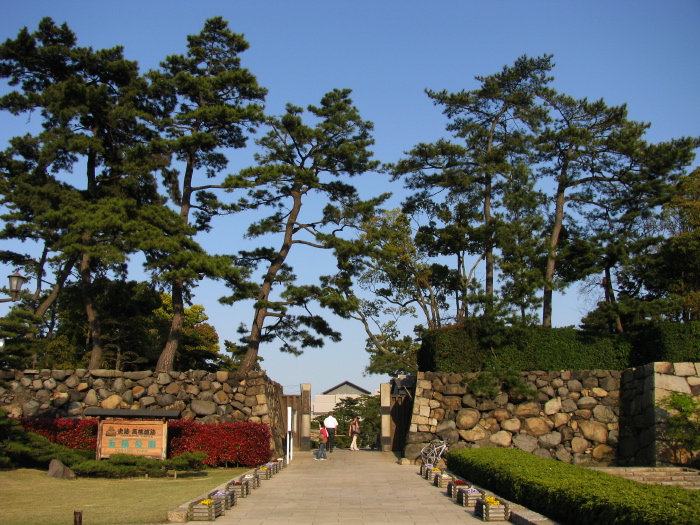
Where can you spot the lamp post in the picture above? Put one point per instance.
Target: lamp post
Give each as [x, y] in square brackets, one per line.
[16, 282]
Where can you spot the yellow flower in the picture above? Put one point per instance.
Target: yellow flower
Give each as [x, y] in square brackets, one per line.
[206, 502]
[491, 501]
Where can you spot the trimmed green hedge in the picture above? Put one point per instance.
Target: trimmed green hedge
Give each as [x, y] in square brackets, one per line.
[671, 342]
[474, 348]
[573, 495]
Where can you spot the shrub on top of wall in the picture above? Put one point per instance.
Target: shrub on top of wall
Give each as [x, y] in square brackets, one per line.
[667, 342]
[473, 347]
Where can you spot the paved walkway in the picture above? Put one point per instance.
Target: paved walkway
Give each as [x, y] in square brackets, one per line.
[365, 487]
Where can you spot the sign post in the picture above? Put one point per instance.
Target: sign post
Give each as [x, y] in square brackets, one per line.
[136, 432]
[138, 437]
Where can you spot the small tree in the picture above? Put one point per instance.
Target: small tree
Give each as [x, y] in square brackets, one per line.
[682, 426]
[367, 408]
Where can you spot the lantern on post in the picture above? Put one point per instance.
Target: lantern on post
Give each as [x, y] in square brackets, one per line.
[16, 282]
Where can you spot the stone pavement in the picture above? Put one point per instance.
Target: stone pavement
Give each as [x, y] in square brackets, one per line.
[365, 487]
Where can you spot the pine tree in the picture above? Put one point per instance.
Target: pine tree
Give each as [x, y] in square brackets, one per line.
[94, 109]
[297, 161]
[209, 103]
[602, 171]
[493, 128]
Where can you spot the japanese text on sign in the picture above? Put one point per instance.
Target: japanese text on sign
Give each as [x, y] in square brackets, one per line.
[137, 437]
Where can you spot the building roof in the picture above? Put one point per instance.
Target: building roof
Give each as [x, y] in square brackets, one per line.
[346, 387]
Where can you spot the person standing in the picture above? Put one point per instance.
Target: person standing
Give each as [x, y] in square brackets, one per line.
[354, 432]
[331, 425]
[322, 440]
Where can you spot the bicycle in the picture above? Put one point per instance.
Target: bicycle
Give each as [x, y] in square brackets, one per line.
[433, 451]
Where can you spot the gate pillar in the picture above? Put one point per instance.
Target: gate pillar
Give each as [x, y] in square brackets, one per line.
[305, 430]
[385, 411]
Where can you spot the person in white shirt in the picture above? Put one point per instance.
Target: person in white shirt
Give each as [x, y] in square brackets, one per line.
[331, 425]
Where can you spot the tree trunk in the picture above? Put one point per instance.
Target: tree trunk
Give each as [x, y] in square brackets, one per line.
[552, 254]
[610, 298]
[41, 310]
[166, 360]
[261, 312]
[93, 317]
[488, 249]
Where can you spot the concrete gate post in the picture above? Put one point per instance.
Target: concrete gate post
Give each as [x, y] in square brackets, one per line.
[385, 411]
[305, 430]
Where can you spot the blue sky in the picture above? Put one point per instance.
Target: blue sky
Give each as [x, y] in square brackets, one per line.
[642, 53]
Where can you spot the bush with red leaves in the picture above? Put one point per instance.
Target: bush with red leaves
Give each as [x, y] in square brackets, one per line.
[224, 443]
[76, 434]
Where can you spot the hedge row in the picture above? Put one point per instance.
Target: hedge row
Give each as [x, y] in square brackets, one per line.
[224, 443]
[75, 434]
[473, 347]
[22, 448]
[246, 444]
[554, 488]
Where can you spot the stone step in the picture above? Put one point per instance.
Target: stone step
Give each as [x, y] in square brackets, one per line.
[668, 476]
[615, 470]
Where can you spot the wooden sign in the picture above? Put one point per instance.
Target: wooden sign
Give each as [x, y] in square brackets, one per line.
[138, 437]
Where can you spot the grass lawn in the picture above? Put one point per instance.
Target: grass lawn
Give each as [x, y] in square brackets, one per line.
[29, 496]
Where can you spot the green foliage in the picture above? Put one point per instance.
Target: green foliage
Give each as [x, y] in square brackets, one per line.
[476, 348]
[490, 384]
[199, 343]
[681, 428]
[298, 160]
[554, 488]
[10, 431]
[83, 189]
[31, 450]
[22, 449]
[666, 342]
[188, 461]
[367, 408]
[128, 466]
[472, 187]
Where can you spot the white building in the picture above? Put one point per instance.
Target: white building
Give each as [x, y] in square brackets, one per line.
[325, 402]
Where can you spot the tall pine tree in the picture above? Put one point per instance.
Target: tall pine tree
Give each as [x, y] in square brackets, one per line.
[210, 103]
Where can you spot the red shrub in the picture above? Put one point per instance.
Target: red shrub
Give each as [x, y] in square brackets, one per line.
[76, 434]
[245, 444]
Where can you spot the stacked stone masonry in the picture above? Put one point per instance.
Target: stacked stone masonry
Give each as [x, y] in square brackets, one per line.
[200, 395]
[641, 442]
[590, 417]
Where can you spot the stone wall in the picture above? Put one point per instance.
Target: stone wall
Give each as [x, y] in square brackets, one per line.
[589, 417]
[642, 388]
[574, 417]
[197, 394]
